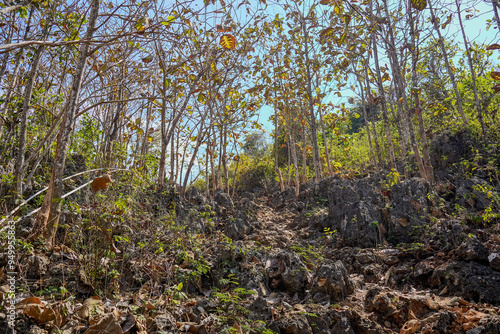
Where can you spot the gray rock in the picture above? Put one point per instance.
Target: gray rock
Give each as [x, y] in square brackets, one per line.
[355, 212]
[473, 250]
[287, 271]
[223, 199]
[470, 280]
[237, 228]
[494, 259]
[297, 324]
[37, 266]
[474, 194]
[333, 281]
[409, 209]
[447, 149]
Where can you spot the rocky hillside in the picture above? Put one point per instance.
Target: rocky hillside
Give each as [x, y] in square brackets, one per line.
[350, 254]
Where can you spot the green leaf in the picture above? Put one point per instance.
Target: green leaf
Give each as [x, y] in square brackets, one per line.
[418, 4]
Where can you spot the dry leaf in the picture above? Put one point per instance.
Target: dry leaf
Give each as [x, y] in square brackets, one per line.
[107, 325]
[101, 183]
[43, 314]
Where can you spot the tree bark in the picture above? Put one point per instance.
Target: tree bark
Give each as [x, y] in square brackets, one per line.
[472, 72]
[416, 94]
[440, 41]
[314, 134]
[48, 217]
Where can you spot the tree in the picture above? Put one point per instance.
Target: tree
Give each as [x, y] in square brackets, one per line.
[48, 217]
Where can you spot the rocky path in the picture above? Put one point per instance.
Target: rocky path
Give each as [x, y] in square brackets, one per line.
[326, 288]
[259, 265]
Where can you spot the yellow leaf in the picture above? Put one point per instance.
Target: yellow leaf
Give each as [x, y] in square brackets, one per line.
[228, 41]
[495, 75]
[418, 4]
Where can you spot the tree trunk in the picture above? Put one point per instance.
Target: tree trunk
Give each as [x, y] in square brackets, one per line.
[401, 95]
[276, 167]
[472, 72]
[48, 217]
[367, 127]
[314, 134]
[28, 91]
[385, 116]
[416, 94]
[448, 66]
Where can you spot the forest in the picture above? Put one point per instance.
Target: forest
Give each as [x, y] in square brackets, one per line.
[249, 166]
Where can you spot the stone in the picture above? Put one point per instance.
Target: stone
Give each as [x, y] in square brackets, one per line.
[223, 199]
[333, 281]
[494, 260]
[296, 324]
[469, 280]
[409, 209]
[354, 210]
[411, 326]
[286, 271]
[237, 228]
[472, 249]
[37, 266]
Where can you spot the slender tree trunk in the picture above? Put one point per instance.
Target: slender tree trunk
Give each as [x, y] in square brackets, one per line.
[325, 142]
[372, 109]
[385, 116]
[304, 154]
[276, 166]
[472, 72]
[5, 58]
[367, 127]
[163, 130]
[17, 62]
[314, 134]
[145, 140]
[295, 163]
[399, 84]
[446, 59]
[28, 91]
[495, 11]
[48, 216]
[416, 94]
[199, 141]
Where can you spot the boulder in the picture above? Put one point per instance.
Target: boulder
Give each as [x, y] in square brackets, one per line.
[494, 260]
[409, 209]
[237, 228]
[470, 280]
[332, 280]
[355, 212]
[472, 249]
[286, 271]
[223, 199]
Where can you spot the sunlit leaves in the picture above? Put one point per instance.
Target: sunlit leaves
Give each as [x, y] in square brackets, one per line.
[327, 32]
[496, 88]
[418, 4]
[495, 75]
[142, 24]
[201, 98]
[222, 28]
[147, 59]
[448, 21]
[493, 47]
[342, 38]
[228, 41]
[169, 20]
